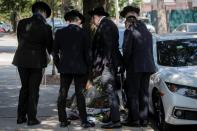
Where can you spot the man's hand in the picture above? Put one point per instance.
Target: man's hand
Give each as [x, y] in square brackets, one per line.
[120, 69]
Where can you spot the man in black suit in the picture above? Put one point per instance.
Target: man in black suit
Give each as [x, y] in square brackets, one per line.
[72, 44]
[34, 37]
[139, 64]
[107, 60]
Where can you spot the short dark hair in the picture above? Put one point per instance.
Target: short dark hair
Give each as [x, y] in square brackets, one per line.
[39, 9]
[73, 18]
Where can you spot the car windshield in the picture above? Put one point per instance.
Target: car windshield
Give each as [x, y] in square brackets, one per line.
[192, 28]
[177, 53]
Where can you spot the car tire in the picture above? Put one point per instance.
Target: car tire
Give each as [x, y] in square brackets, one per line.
[159, 113]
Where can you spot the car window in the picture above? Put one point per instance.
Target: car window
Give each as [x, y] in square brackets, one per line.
[192, 28]
[182, 28]
[177, 53]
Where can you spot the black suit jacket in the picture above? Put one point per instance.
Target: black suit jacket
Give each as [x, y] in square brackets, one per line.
[34, 37]
[138, 49]
[72, 50]
[105, 46]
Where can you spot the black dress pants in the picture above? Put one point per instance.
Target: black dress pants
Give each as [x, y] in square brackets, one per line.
[137, 95]
[80, 83]
[29, 92]
[109, 84]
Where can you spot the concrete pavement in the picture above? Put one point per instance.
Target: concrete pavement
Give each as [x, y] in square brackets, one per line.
[8, 44]
[47, 110]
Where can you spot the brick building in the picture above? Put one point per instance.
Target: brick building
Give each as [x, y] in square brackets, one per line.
[148, 5]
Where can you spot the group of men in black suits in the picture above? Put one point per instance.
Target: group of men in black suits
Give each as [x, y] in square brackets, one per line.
[76, 57]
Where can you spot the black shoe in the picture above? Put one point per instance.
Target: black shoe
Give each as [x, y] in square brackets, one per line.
[21, 120]
[131, 124]
[87, 124]
[144, 123]
[33, 122]
[65, 124]
[112, 125]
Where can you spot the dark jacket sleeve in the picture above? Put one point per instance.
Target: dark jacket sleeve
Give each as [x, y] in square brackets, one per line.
[88, 51]
[108, 40]
[20, 30]
[127, 46]
[49, 39]
[110, 37]
[56, 48]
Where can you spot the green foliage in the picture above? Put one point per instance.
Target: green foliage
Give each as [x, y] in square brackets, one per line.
[8, 7]
[136, 3]
[14, 5]
[122, 4]
[23, 7]
[111, 6]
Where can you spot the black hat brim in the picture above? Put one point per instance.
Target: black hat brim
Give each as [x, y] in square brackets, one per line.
[42, 5]
[74, 13]
[127, 9]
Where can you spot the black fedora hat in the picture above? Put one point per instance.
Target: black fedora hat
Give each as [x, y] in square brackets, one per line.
[127, 9]
[74, 13]
[43, 6]
[98, 11]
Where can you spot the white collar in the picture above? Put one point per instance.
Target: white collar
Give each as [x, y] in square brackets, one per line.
[101, 19]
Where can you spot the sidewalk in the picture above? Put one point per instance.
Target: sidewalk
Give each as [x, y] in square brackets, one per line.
[47, 110]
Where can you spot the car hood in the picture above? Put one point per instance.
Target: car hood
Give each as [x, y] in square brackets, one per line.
[179, 75]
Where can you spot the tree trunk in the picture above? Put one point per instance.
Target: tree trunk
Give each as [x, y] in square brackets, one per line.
[87, 6]
[162, 21]
[102, 3]
[161, 18]
[14, 20]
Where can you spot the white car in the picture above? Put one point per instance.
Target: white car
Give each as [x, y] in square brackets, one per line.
[186, 27]
[148, 24]
[173, 88]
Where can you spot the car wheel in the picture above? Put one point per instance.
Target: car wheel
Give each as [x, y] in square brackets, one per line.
[159, 112]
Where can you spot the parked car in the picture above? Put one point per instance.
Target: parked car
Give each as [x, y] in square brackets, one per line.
[8, 27]
[173, 88]
[186, 27]
[58, 23]
[2, 27]
[5, 27]
[148, 24]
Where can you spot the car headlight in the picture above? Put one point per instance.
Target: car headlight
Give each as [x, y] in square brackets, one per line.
[182, 90]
